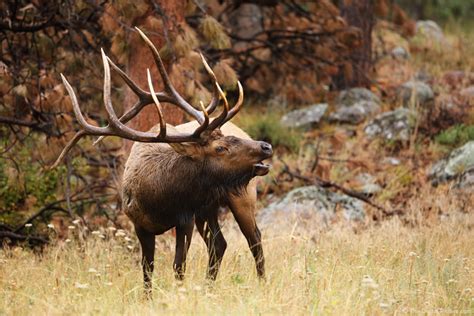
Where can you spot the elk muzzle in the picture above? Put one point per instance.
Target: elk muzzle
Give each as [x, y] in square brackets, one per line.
[261, 168]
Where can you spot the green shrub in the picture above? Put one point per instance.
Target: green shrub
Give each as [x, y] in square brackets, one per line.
[440, 10]
[25, 177]
[456, 135]
[267, 127]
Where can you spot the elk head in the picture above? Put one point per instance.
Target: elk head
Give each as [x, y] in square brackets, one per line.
[206, 144]
[228, 154]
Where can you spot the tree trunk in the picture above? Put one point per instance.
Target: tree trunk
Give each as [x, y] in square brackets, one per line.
[140, 59]
[360, 14]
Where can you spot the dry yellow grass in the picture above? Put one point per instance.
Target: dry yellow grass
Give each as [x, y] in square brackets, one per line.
[386, 269]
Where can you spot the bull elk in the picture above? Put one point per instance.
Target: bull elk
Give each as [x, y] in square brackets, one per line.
[179, 176]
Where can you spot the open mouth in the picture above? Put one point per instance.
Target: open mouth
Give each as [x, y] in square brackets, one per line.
[261, 168]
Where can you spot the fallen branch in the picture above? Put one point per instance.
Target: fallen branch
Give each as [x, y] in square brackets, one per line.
[328, 184]
[54, 206]
[50, 207]
[19, 237]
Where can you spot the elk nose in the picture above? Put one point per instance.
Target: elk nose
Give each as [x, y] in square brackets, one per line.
[266, 148]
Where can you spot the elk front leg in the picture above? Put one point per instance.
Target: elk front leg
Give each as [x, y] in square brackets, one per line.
[210, 231]
[184, 233]
[147, 242]
[243, 208]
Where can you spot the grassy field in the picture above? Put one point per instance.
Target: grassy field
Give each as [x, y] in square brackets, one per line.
[383, 269]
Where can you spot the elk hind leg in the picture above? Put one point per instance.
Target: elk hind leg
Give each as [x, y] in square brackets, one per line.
[184, 233]
[147, 243]
[210, 231]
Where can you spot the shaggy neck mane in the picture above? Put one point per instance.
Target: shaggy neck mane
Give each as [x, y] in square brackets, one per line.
[224, 183]
[215, 185]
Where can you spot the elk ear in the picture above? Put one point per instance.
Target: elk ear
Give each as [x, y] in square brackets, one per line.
[192, 150]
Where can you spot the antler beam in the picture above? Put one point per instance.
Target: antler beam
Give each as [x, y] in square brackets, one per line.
[117, 127]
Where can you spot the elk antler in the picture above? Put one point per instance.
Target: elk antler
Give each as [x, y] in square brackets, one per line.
[116, 126]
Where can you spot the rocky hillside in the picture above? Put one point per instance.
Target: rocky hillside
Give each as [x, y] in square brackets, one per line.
[404, 147]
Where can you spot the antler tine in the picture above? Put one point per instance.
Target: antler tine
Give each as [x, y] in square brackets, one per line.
[214, 101]
[159, 63]
[90, 129]
[114, 122]
[158, 106]
[116, 127]
[218, 121]
[240, 101]
[68, 147]
[205, 124]
[177, 98]
[142, 94]
[216, 95]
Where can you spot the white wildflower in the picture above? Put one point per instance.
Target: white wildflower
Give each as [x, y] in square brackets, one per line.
[51, 226]
[384, 305]
[81, 285]
[28, 225]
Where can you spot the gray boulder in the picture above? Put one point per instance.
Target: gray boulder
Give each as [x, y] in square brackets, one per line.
[393, 125]
[415, 91]
[354, 105]
[400, 53]
[466, 181]
[467, 95]
[306, 117]
[355, 95]
[459, 162]
[431, 31]
[308, 201]
[355, 113]
[423, 76]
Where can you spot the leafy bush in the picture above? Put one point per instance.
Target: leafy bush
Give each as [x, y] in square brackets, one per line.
[267, 127]
[24, 178]
[456, 135]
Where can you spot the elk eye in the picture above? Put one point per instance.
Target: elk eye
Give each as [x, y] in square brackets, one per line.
[220, 149]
